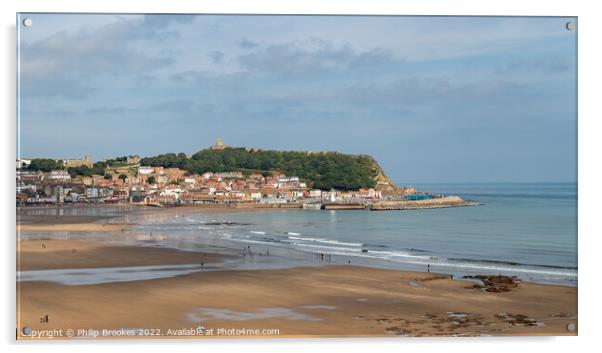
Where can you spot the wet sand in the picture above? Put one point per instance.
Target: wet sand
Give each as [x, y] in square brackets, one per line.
[67, 223]
[326, 301]
[68, 254]
[75, 227]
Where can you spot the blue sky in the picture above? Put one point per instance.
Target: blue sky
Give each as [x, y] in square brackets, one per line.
[433, 99]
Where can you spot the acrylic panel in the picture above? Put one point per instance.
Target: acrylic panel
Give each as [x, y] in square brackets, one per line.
[216, 176]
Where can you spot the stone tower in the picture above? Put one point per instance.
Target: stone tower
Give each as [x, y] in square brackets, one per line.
[219, 144]
[88, 161]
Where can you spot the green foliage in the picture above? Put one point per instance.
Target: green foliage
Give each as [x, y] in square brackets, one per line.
[123, 177]
[151, 179]
[97, 169]
[320, 170]
[116, 162]
[167, 160]
[44, 165]
[108, 176]
[81, 170]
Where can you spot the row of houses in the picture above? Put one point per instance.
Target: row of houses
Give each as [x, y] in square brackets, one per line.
[148, 184]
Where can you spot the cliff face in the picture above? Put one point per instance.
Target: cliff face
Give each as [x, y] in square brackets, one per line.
[383, 182]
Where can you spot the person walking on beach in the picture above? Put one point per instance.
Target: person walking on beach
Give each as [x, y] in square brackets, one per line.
[428, 268]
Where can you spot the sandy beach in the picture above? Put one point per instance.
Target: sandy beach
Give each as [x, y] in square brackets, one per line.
[324, 301]
[57, 254]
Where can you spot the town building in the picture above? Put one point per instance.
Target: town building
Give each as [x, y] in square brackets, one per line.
[71, 163]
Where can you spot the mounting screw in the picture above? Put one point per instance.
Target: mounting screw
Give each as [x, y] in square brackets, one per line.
[570, 25]
[571, 327]
[26, 331]
[27, 22]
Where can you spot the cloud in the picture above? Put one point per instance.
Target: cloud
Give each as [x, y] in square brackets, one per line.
[247, 44]
[175, 106]
[216, 56]
[164, 20]
[403, 95]
[166, 106]
[313, 55]
[86, 53]
[540, 65]
[143, 80]
[109, 110]
[54, 86]
[65, 63]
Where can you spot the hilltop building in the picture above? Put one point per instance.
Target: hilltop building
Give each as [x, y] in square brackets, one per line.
[69, 163]
[133, 159]
[219, 145]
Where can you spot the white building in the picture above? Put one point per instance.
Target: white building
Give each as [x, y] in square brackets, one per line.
[23, 163]
[229, 175]
[171, 192]
[288, 182]
[145, 170]
[92, 193]
[315, 193]
[59, 175]
[332, 196]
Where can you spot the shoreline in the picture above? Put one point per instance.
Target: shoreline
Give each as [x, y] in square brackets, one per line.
[121, 233]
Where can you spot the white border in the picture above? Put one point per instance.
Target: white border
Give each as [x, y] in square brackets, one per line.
[589, 162]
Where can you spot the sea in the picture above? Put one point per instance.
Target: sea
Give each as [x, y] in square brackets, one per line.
[528, 230]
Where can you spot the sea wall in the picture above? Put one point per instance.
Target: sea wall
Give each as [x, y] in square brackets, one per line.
[443, 202]
[344, 206]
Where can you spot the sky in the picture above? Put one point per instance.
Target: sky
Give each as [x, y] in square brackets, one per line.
[433, 99]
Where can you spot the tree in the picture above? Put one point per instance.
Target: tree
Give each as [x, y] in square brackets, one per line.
[98, 168]
[81, 170]
[44, 165]
[123, 177]
[108, 176]
[151, 180]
